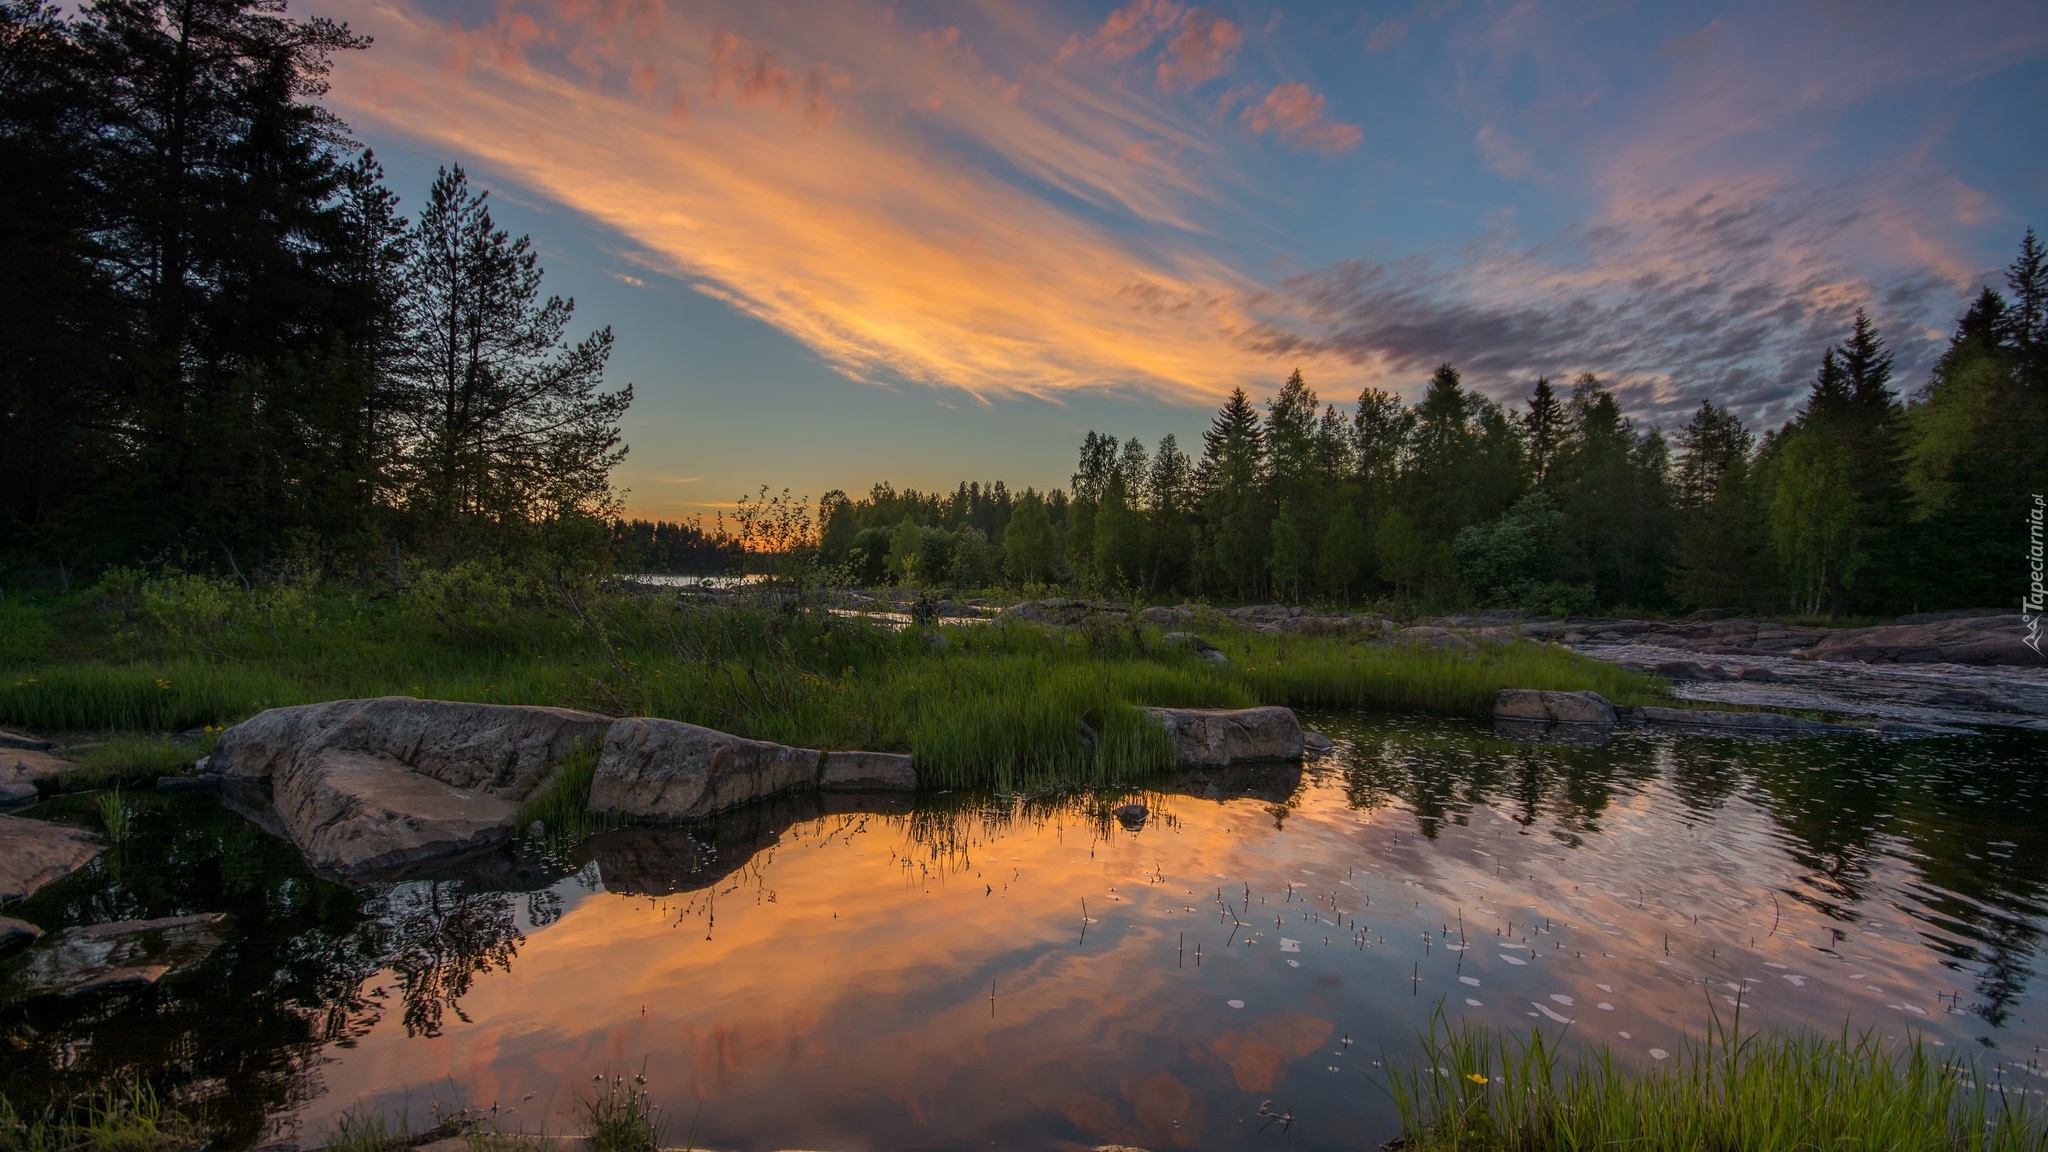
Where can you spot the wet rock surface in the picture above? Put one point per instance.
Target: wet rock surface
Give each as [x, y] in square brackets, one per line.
[35, 852]
[112, 956]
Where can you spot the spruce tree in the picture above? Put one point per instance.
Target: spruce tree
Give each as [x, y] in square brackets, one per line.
[1543, 428]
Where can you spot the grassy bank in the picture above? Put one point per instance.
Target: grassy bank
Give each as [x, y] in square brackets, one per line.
[1473, 1090]
[1005, 704]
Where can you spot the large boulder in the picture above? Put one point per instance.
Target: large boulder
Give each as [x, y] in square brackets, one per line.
[1218, 738]
[35, 852]
[370, 785]
[1532, 705]
[667, 770]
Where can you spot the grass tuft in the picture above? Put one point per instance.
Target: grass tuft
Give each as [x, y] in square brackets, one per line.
[619, 1115]
[1475, 1090]
[129, 1121]
[563, 806]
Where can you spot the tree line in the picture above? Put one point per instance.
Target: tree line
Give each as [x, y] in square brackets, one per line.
[221, 344]
[1867, 501]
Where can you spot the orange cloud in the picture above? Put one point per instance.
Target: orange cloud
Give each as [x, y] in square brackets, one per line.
[855, 224]
[1294, 113]
[1203, 51]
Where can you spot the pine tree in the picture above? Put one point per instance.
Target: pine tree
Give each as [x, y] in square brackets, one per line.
[508, 423]
[2027, 322]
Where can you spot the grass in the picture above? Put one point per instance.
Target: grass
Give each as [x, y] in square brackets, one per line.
[113, 815]
[619, 1116]
[130, 1121]
[1013, 705]
[563, 806]
[1474, 1090]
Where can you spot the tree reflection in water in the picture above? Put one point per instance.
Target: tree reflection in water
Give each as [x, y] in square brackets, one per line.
[239, 1042]
[312, 963]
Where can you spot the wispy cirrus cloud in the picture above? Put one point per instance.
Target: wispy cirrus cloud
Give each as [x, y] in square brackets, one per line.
[887, 196]
[998, 203]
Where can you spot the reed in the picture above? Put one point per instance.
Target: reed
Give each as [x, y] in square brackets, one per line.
[1476, 1090]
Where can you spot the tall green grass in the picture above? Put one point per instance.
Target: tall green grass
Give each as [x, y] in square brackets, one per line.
[133, 1120]
[1012, 705]
[1475, 1090]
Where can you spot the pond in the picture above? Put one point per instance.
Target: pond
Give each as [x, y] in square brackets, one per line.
[998, 971]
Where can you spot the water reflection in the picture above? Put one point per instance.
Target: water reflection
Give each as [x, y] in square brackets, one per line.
[1031, 970]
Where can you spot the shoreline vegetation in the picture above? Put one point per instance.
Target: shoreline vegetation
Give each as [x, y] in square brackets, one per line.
[1482, 1090]
[1006, 703]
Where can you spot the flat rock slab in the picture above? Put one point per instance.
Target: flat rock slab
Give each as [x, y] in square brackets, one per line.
[17, 740]
[35, 852]
[1528, 704]
[106, 957]
[353, 813]
[668, 770]
[1219, 738]
[40, 767]
[1752, 722]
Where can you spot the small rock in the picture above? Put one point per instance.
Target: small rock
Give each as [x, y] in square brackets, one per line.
[1131, 816]
[14, 932]
[1437, 638]
[1193, 643]
[1553, 707]
[35, 852]
[867, 772]
[536, 830]
[1315, 744]
[1158, 615]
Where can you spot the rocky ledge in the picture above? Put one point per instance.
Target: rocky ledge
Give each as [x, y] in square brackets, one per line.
[1583, 717]
[370, 786]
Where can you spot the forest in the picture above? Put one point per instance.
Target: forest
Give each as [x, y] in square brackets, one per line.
[224, 350]
[1871, 500]
[222, 347]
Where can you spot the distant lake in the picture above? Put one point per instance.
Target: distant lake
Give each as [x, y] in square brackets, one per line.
[924, 977]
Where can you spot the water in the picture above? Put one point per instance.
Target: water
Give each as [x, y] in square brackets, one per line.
[793, 977]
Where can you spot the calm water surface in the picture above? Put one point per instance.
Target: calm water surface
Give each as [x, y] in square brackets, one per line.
[789, 977]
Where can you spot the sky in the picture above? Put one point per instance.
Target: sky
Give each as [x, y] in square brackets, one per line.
[841, 242]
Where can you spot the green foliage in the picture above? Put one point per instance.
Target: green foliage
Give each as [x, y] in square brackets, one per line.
[1502, 563]
[1012, 704]
[1814, 519]
[1472, 1090]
